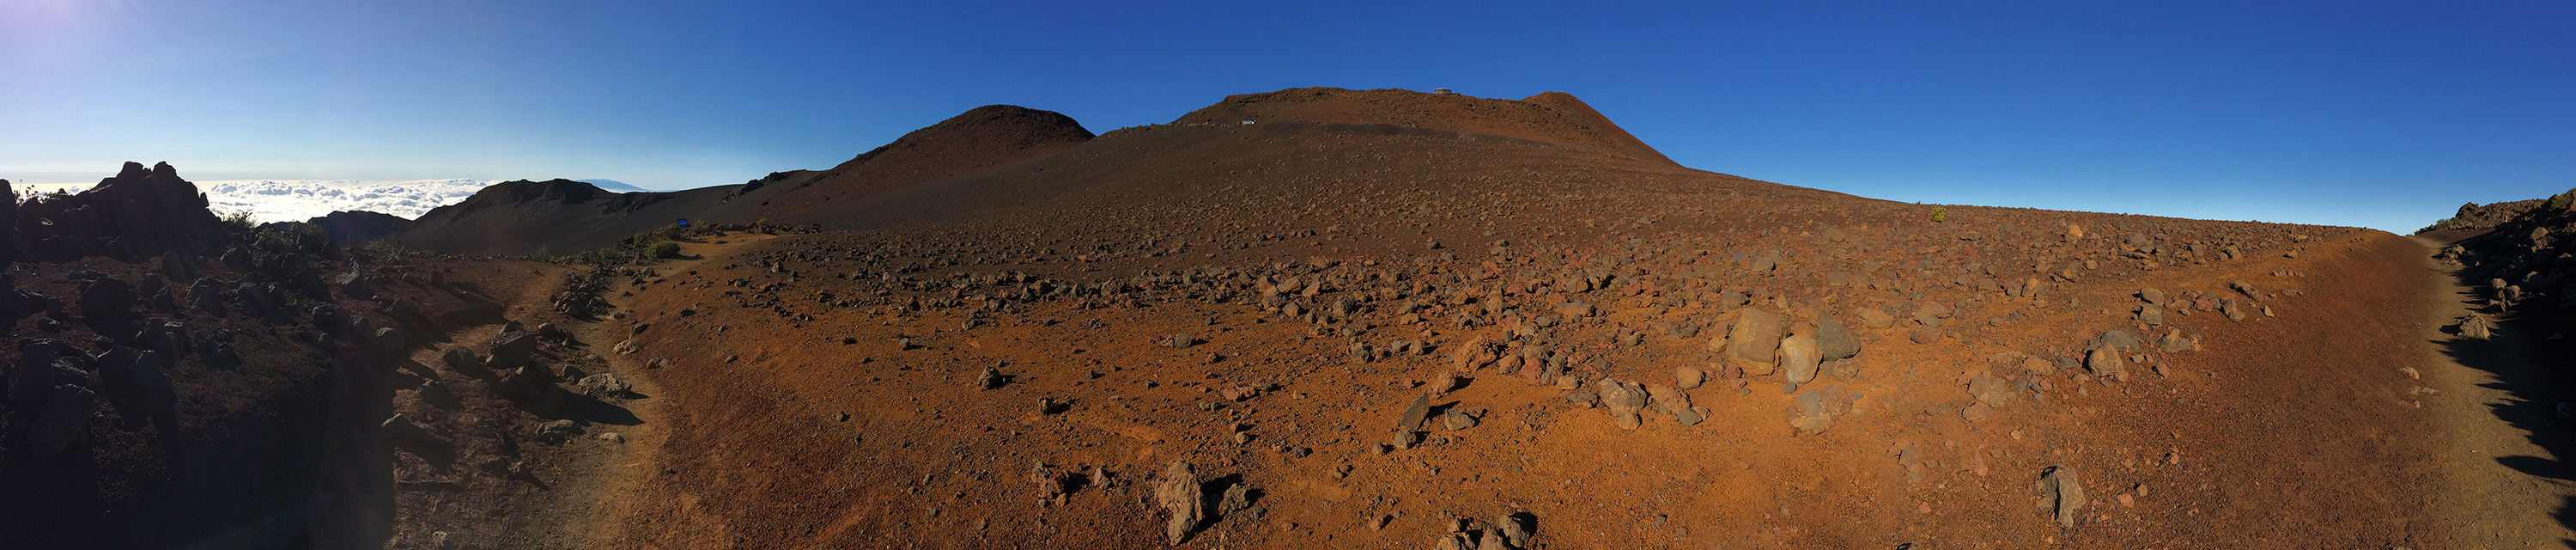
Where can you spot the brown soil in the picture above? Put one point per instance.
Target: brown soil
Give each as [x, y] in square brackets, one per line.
[2276, 433]
[1355, 251]
[1551, 117]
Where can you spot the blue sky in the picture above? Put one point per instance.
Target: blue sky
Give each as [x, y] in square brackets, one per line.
[2378, 114]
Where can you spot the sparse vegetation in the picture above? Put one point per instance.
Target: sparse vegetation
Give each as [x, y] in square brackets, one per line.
[1939, 215]
[240, 222]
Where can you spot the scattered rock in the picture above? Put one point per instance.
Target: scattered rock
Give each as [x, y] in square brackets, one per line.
[1625, 399]
[1516, 528]
[1457, 419]
[558, 431]
[1688, 378]
[991, 378]
[1811, 414]
[1237, 498]
[1754, 343]
[2174, 342]
[1874, 318]
[2476, 326]
[1239, 392]
[1415, 414]
[513, 349]
[2120, 340]
[1178, 493]
[1991, 391]
[1833, 342]
[2105, 362]
[605, 385]
[2059, 486]
[1800, 358]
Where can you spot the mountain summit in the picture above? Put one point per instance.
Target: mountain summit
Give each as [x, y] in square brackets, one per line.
[1551, 117]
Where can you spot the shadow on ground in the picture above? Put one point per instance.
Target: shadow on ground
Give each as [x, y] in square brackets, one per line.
[2522, 355]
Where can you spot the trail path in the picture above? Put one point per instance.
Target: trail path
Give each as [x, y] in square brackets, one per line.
[620, 481]
[2502, 487]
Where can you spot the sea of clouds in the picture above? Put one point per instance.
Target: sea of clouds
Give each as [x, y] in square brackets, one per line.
[299, 200]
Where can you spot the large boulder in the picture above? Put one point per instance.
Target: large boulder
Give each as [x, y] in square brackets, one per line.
[1178, 493]
[1833, 341]
[51, 395]
[1754, 343]
[512, 349]
[1799, 357]
[108, 303]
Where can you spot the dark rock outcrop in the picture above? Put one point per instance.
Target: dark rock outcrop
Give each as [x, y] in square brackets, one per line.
[139, 213]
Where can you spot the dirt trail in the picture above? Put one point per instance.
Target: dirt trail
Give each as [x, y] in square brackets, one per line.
[622, 480]
[2502, 488]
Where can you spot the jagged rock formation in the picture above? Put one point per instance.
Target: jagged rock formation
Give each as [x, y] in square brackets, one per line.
[2480, 217]
[137, 214]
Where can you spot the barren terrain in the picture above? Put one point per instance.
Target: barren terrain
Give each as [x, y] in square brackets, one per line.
[1385, 319]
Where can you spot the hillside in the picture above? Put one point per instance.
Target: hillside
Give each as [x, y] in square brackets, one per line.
[982, 138]
[1019, 352]
[1551, 117]
[1371, 320]
[560, 216]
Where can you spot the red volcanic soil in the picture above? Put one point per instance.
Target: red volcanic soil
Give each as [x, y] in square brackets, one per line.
[998, 333]
[823, 389]
[1551, 117]
[981, 138]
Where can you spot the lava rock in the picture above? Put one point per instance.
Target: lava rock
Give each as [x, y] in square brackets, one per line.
[605, 385]
[1799, 357]
[1415, 413]
[2106, 362]
[2059, 486]
[1625, 400]
[1178, 493]
[1834, 342]
[1754, 342]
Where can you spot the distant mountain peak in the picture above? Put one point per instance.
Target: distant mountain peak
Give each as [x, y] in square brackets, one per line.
[614, 186]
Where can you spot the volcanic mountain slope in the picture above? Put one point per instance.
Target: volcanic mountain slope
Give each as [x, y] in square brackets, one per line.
[522, 217]
[560, 216]
[1015, 357]
[1388, 332]
[1551, 117]
[982, 138]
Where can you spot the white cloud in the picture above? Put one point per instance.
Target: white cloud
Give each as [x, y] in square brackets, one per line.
[299, 200]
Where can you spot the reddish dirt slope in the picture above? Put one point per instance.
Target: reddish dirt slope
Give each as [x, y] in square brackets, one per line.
[824, 389]
[979, 139]
[1551, 117]
[798, 417]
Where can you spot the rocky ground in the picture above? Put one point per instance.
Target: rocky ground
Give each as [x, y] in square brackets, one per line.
[1291, 334]
[2143, 382]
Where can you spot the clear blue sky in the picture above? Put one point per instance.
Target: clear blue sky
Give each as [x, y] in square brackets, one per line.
[2379, 114]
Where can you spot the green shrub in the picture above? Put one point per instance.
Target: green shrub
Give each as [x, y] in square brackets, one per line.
[1939, 216]
[664, 250]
